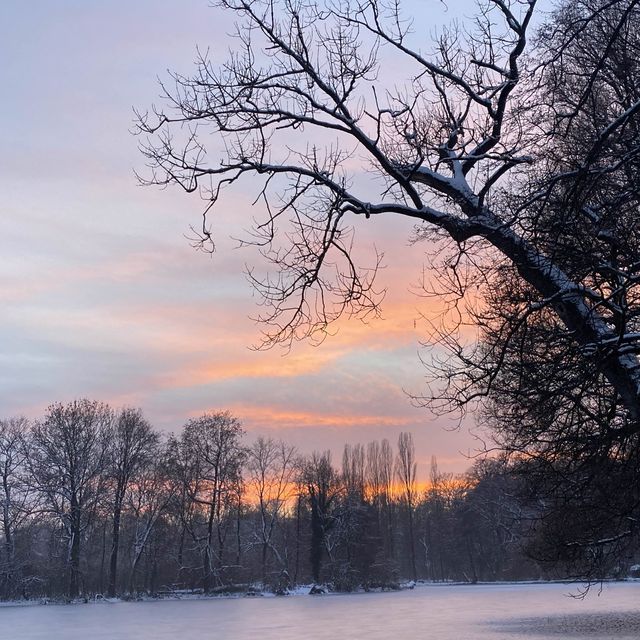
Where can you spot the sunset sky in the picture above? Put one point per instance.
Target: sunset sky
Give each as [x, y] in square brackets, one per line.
[102, 295]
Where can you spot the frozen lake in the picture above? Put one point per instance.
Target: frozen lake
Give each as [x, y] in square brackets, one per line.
[482, 612]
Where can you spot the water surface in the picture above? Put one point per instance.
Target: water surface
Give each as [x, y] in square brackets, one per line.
[482, 612]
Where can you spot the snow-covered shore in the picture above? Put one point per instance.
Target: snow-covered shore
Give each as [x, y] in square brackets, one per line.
[255, 591]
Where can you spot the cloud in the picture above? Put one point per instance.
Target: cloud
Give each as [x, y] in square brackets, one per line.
[104, 297]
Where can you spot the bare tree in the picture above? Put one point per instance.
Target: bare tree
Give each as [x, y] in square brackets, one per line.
[471, 527]
[353, 471]
[406, 468]
[146, 500]
[132, 443]
[380, 483]
[466, 147]
[15, 496]
[211, 458]
[362, 529]
[272, 467]
[551, 402]
[580, 207]
[67, 456]
[323, 488]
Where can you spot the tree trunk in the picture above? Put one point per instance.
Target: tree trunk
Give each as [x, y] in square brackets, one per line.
[115, 545]
[265, 547]
[474, 573]
[6, 526]
[412, 544]
[238, 536]
[621, 369]
[207, 560]
[103, 555]
[317, 540]
[297, 567]
[74, 576]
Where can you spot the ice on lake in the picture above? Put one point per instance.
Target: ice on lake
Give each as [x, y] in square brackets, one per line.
[438, 612]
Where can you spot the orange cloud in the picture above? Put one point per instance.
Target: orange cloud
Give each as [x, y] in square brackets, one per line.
[274, 418]
[206, 372]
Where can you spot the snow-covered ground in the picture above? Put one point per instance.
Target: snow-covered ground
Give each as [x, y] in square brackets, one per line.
[457, 612]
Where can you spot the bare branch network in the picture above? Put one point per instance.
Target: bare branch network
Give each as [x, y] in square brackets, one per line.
[521, 157]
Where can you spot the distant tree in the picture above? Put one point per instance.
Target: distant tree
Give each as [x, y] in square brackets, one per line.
[148, 499]
[67, 460]
[359, 523]
[271, 473]
[492, 518]
[323, 488]
[440, 540]
[211, 458]
[60, 489]
[131, 446]
[406, 468]
[380, 484]
[15, 498]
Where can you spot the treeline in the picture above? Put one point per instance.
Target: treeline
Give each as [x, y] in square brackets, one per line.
[95, 501]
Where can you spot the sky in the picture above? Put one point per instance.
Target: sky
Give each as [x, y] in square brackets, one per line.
[102, 294]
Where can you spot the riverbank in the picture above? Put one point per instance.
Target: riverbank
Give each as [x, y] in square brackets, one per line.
[578, 589]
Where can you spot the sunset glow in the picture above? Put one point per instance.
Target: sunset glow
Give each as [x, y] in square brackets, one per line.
[103, 295]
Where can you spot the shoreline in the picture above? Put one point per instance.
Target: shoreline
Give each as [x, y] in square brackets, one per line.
[302, 590]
